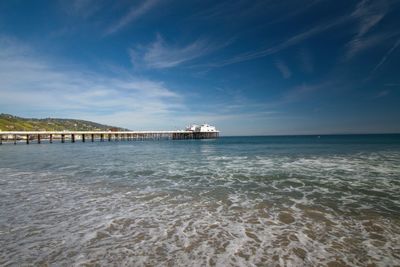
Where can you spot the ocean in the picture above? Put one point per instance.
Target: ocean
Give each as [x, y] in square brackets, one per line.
[232, 201]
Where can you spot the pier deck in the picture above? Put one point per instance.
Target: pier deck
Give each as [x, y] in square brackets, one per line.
[91, 136]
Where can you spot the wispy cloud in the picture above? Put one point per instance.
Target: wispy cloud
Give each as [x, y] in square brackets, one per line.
[382, 93]
[283, 68]
[386, 56]
[86, 8]
[134, 13]
[81, 8]
[360, 44]
[36, 86]
[31, 84]
[272, 11]
[368, 14]
[294, 40]
[159, 54]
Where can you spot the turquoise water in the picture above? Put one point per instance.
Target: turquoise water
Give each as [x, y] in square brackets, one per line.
[235, 201]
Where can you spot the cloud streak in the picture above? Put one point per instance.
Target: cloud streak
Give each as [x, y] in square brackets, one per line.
[358, 45]
[294, 40]
[368, 14]
[134, 13]
[83, 8]
[283, 68]
[33, 84]
[386, 56]
[160, 55]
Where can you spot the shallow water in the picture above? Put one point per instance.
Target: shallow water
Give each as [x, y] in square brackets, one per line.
[243, 201]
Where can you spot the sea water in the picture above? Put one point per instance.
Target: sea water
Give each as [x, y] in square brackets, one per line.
[233, 201]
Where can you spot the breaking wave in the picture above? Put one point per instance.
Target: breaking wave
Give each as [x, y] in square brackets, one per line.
[198, 204]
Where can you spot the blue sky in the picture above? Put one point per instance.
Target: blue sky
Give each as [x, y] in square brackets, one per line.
[248, 67]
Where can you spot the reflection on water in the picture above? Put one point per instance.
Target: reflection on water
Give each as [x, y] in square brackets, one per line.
[232, 202]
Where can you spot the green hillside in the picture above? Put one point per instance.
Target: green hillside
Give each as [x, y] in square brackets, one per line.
[13, 123]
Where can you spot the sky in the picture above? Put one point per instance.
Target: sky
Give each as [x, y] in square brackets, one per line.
[248, 67]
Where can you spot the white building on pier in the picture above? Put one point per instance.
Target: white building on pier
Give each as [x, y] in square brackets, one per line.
[204, 128]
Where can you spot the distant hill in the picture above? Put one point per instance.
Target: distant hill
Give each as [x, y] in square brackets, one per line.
[14, 123]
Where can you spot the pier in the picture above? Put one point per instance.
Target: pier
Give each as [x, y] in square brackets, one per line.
[101, 136]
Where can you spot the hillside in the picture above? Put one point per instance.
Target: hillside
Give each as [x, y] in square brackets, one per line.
[13, 123]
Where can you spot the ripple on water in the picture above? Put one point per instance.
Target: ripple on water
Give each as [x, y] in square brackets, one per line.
[222, 211]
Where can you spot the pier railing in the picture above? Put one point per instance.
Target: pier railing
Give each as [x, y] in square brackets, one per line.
[91, 136]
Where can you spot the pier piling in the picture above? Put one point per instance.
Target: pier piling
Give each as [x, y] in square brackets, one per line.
[13, 137]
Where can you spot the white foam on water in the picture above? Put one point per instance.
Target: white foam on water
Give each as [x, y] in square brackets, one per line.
[221, 211]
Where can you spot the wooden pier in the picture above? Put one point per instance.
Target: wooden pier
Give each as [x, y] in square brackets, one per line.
[91, 136]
